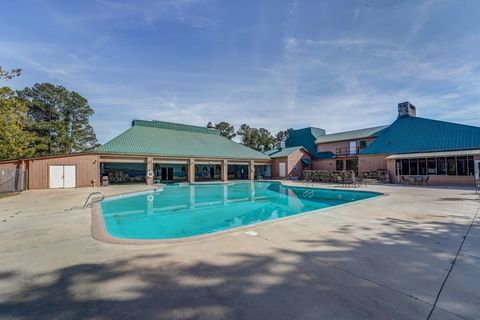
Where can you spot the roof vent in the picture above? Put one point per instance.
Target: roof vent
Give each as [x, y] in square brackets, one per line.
[211, 125]
[406, 109]
[280, 145]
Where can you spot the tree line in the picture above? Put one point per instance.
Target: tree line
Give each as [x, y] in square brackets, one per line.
[48, 119]
[255, 138]
[41, 120]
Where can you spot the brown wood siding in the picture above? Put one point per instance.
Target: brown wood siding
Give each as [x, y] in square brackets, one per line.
[371, 163]
[88, 169]
[328, 164]
[9, 165]
[332, 146]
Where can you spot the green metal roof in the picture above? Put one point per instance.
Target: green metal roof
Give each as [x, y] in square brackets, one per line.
[168, 139]
[457, 153]
[280, 153]
[413, 134]
[350, 135]
[325, 155]
[306, 138]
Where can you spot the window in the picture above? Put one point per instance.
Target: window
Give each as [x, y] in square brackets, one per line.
[339, 165]
[353, 147]
[405, 167]
[451, 166]
[363, 144]
[462, 167]
[422, 167]
[441, 166]
[431, 166]
[471, 166]
[413, 167]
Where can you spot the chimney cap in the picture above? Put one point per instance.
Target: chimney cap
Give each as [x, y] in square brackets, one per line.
[210, 125]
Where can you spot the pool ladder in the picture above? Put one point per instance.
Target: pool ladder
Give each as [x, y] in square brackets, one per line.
[90, 196]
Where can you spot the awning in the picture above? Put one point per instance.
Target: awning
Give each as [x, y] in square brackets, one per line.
[306, 161]
[455, 153]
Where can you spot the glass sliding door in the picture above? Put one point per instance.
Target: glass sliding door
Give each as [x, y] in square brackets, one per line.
[451, 166]
[422, 167]
[413, 167]
[441, 166]
[462, 166]
[431, 166]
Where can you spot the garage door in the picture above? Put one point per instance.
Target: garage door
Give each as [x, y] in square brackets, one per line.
[63, 177]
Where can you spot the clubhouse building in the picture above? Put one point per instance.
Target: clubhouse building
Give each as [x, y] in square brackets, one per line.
[448, 153]
[156, 151]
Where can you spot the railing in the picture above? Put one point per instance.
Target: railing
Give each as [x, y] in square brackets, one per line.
[346, 151]
[92, 194]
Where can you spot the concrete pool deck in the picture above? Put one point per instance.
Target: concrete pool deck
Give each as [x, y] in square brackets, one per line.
[382, 259]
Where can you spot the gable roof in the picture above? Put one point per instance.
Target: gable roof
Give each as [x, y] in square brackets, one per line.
[285, 152]
[168, 139]
[414, 134]
[350, 135]
[305, 137]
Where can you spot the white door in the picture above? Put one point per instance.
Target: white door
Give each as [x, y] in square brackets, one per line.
[69, 176]
[281, 169]
[477, 169]
[56, 177]
[63, 177]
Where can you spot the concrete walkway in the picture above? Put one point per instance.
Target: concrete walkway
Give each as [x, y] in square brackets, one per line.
[387, 258]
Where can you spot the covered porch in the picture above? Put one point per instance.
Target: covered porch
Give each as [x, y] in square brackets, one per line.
[151, 170]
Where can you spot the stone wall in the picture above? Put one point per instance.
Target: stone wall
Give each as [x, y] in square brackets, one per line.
[326, 176]
[333, 176]
[381, 175]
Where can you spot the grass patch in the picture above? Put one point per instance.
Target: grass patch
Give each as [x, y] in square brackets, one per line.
[8, 194]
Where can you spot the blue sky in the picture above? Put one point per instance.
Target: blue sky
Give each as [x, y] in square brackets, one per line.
[337, 65]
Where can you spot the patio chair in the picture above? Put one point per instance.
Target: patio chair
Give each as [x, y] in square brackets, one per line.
[340, 182]
[405, 181]
[350, 181]
[361, 181]
[425, 181]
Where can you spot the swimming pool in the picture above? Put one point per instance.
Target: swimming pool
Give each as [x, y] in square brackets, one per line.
[181, 211]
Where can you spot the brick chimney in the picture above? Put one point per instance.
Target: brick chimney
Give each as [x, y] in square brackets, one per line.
[406, 109]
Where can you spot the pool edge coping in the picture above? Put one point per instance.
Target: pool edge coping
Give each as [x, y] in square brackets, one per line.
[98, 229]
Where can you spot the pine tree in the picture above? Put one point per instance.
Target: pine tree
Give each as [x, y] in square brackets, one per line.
[43, 104]
[226, 130]
[81, 135]
[60, 119]
[15, 139]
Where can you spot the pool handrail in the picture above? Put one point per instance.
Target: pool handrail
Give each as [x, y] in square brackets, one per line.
[92, 194]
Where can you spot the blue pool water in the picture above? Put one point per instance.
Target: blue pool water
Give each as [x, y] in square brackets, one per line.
[180, 211]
